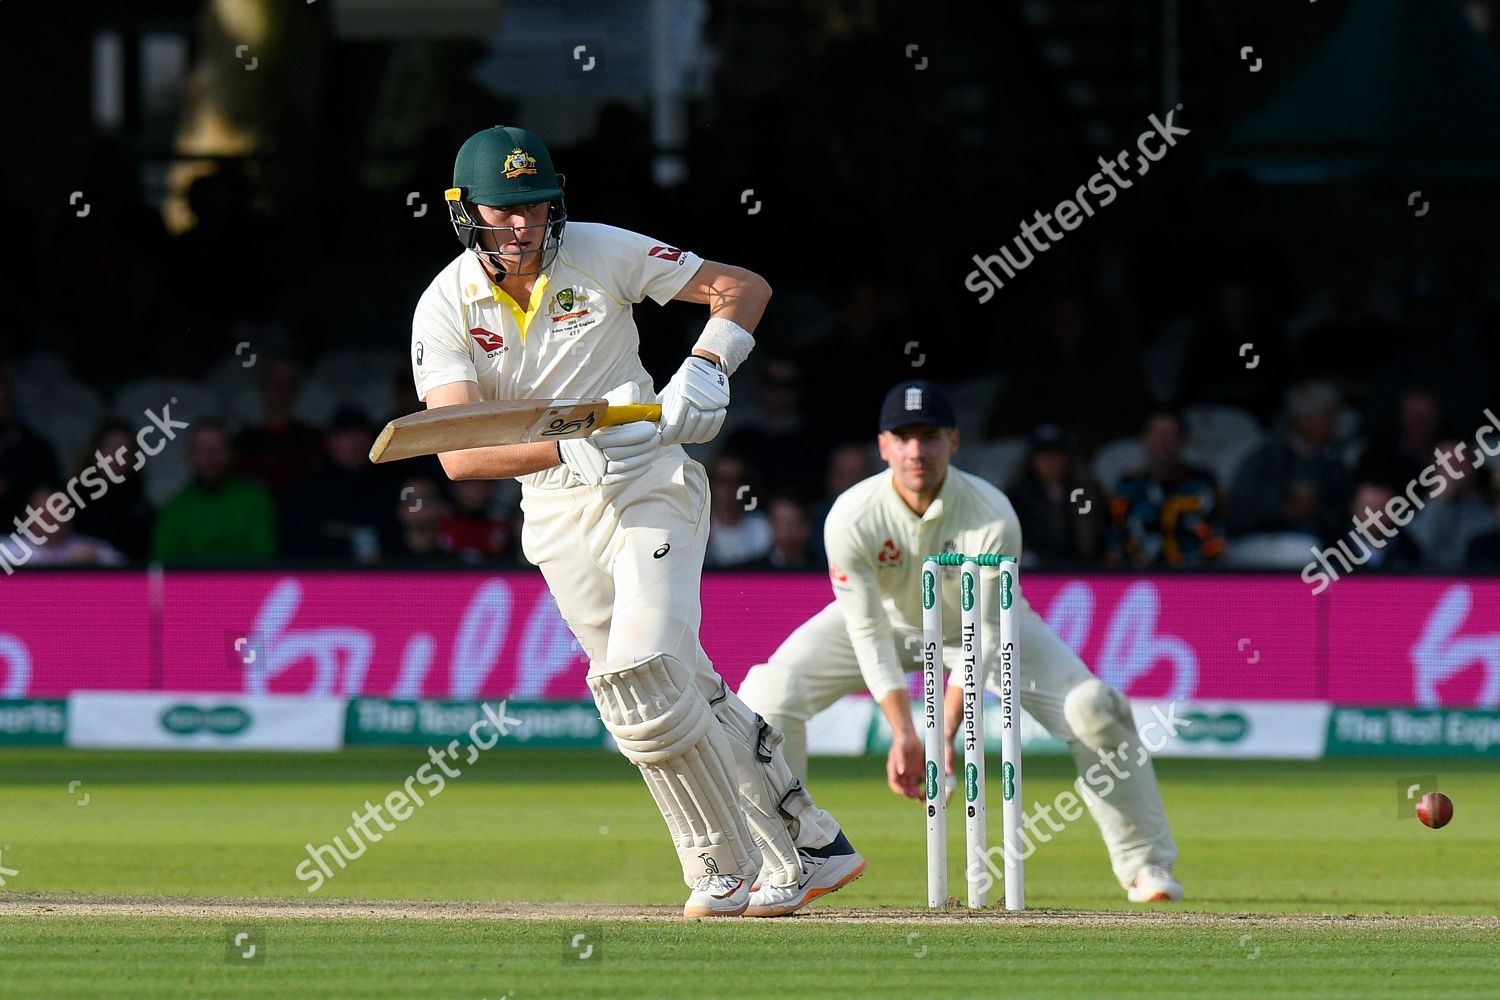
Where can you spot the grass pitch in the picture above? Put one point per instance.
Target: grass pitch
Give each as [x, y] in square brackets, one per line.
[1301, 880]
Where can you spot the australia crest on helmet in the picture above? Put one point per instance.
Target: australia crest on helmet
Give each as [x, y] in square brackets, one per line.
[518, 162]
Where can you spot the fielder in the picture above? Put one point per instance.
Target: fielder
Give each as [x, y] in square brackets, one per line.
[618, 522]
[877, 534]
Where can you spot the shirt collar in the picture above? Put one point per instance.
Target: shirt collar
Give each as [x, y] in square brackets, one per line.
[473, 281]
[475, 286]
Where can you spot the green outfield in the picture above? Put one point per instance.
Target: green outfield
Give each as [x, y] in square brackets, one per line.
[497, 886]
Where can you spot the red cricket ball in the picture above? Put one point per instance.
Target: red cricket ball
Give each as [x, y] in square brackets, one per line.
[1435, 809]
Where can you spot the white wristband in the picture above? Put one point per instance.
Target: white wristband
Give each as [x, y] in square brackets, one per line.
[728, 340]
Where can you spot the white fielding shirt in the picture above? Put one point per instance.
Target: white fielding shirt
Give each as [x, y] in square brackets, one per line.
[578, 337]
[876, 544]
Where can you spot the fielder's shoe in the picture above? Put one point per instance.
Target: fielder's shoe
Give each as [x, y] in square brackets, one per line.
[824, 870]
[1155, 884]
[718, 896]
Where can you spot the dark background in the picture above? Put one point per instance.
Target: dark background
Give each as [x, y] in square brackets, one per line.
[273, 208]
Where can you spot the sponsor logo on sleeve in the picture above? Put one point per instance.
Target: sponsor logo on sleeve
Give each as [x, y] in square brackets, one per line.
[666, 253]
[490, 343]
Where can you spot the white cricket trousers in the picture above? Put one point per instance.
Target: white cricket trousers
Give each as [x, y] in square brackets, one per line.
[816, 666]
[624, 564]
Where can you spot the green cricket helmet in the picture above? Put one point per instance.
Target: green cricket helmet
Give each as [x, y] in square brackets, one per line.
[500, 167]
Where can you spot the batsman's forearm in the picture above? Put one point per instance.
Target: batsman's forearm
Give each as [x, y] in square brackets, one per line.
[500, 461]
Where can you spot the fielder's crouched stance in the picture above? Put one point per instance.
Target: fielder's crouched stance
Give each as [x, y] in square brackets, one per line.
[877, 534]
[618, 521]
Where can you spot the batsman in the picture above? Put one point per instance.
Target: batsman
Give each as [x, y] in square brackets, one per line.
[618, 521]
[877, 534]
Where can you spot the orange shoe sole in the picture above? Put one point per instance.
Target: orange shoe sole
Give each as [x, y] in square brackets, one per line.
[813, 894]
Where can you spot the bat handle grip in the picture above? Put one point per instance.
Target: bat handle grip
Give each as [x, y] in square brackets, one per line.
[629, 413]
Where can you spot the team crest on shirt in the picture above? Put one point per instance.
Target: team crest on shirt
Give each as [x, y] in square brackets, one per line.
[573, 310]
[568, 304]
[889, 554]
[491, 343]
[518, 162]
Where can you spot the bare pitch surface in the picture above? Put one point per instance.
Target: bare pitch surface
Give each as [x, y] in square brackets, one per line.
[66, 907]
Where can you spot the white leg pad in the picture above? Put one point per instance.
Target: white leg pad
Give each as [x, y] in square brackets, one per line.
[781, 813]
[1128, 809]
[665, 727]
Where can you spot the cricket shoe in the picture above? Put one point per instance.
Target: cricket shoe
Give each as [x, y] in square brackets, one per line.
[718, 896]
[1154, 884]
[824, 870]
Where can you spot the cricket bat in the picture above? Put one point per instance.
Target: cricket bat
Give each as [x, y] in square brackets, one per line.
[505, 421]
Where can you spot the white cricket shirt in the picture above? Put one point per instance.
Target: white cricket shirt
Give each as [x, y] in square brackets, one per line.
[876, 545]
[578, 337]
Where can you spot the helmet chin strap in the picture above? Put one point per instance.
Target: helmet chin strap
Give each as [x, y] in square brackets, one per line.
[495, 264]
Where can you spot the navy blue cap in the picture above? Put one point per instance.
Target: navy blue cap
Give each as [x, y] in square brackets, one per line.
[916, 402]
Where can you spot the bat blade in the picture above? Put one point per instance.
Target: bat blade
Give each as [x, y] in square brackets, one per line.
[497, 422]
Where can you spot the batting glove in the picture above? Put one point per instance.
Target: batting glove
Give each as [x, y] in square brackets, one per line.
[694, 403]
[612, 455]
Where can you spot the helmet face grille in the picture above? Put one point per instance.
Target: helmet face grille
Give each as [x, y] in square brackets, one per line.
[470, 233]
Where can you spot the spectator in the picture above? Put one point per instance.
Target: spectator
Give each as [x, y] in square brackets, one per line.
[1169, 513]
[1456, 514]
[1432, 351]
[1402, 456]
[790, 453]
[220, 516]
[279, 449]
[343, 510]
[470, 531]
[1072, 369]
[122, 516]
[1484, 551]
[1392, 548]
[1058, 532]
[26, 459]
[791, 536]
[847, 464]
[1296, 481]
[62, 546]
[422, 507]
[736, 535]
[422, 466]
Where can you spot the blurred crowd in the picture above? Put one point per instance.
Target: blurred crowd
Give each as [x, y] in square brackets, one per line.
[1222, 372]
[1199, 484]
[275, 488]
[1256, 458]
